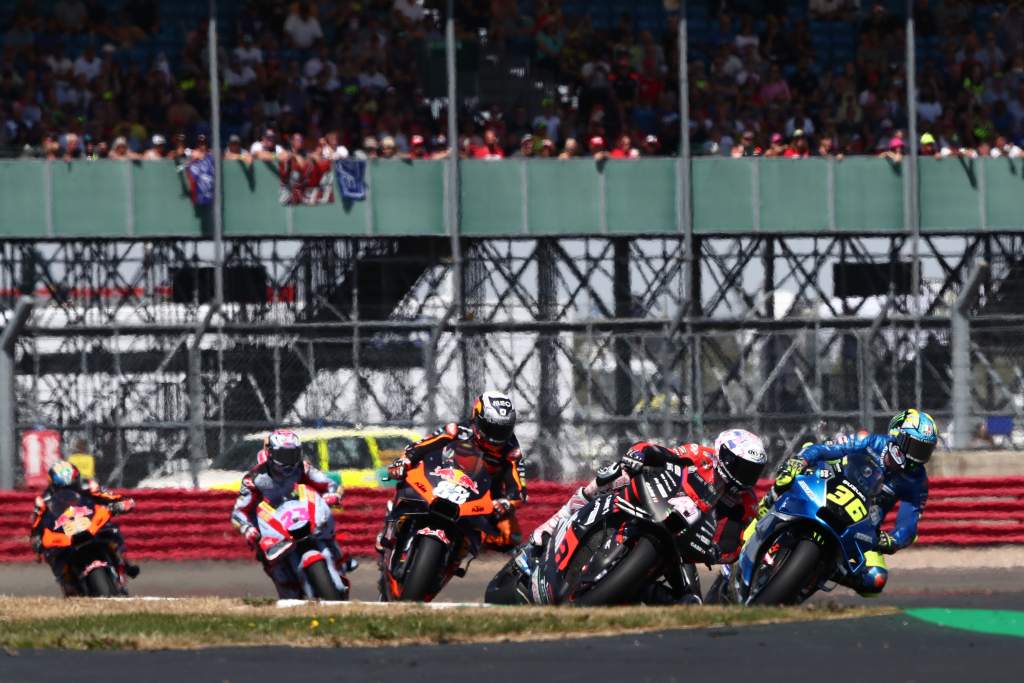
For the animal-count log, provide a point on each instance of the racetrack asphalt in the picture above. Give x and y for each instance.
(892, 648)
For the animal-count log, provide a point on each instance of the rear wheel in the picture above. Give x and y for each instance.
(624, 581)
(425, 570)
(785, 585)
(321, 582)
(101, 584)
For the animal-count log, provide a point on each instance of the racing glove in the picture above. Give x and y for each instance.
(502, 507)
(886, 543)
(788, 472)
(332, 499)
(633, 461)
(398, 469)
(252, 535)
(122, 506)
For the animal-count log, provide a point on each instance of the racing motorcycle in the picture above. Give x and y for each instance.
(294, 534)
(83, 535)
(816, 533)
(442, 511)
(636, 544)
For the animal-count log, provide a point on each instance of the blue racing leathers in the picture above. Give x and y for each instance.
(909, 487)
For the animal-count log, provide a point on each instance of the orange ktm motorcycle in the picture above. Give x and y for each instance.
(440, 514)
(81, 534)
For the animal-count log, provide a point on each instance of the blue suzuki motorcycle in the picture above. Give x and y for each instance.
(817, 532)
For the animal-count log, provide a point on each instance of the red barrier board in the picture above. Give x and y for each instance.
(961, 511)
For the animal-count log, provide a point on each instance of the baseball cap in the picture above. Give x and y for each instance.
(927, 139)
(369, 142)
(597, 141)
(234, 138)
(776, 137)
(387, 141)
(417, 140)
(651, 140)
(895, 143)
(158, 140)
(798, 133)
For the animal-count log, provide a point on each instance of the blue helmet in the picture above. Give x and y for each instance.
(914, 434)
(63, 473)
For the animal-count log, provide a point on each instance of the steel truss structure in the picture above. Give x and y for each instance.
(601, 340)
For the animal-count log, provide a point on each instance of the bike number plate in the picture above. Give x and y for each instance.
(451, 492)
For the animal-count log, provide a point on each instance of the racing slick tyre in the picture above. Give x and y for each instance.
(784, 587)
(427, 566)
(320, 581)
(626, 579)
(502, 590)
(100, 584)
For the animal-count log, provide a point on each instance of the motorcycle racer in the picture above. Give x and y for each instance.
(490, 435)
(280, 469)
(902, 454)
(736, 461)
(64, 475)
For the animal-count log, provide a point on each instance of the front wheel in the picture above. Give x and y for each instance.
(321, 582)
(425, 570)
(785, 585)
(625, 580)
(100, 584)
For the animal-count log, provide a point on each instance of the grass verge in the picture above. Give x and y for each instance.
(200, 623)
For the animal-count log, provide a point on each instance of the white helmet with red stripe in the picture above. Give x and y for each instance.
(741, 457)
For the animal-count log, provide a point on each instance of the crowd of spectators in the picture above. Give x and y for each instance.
(88, 79)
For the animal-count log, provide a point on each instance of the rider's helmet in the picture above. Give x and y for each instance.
(63, 473)
(741, 457)
(494, 419)
(284, 452)
(914, 435)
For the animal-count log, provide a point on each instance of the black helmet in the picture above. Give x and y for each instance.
(284, 451)
(494, 418)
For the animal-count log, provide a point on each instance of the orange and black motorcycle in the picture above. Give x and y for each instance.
(440, 514)
(80, 534)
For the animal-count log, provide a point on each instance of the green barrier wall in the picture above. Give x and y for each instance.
(517, 198)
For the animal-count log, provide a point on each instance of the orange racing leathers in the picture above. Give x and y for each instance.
(504, 464)
(91, 493)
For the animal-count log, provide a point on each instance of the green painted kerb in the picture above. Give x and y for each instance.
(996, 622)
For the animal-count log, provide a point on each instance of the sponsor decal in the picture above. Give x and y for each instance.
(455, 476)
(74, 520)
(439, 534)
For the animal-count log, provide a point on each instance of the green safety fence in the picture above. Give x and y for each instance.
(864, 195)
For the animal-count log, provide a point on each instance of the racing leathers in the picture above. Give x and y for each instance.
(721, 525)
(91, 493)
(505, 465)
(258, 485)
(908, 487)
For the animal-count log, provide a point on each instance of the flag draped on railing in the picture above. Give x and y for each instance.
(351, 175)
(200, 175)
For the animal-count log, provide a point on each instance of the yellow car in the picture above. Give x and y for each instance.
(357, 457)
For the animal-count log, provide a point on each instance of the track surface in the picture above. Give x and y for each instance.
(881, 648)
(984, 587)
(897, 648)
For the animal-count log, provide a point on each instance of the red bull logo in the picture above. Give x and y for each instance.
(74, 519)
(457, 477)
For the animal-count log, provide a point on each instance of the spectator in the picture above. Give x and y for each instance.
(547, 149)
(1002, 147)
(418, 148)
(156, 149)
(895, 152)
(119, 150)
(266, 149)
(490, 149)
(370, 147)
(775, 88)
(651, 146)
(927, 146)
(548, 119)
(777, 148)
(747, 146)
(235, 151)
(527, 146)
(624, 149)
(248, 53)
(571, 150)
(597, 149)
(828, 149)
(238, 74)
(301, 27)
(88, 65)
(799, 121)
(798, 148)
(388, 148)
